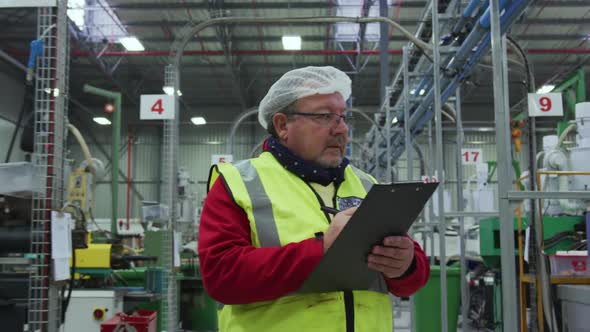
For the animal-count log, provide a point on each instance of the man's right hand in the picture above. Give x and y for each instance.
(336, 227)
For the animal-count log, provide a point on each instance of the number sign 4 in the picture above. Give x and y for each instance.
(156, 107)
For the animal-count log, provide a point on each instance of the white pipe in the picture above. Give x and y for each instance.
(84, 147)
(566, 132)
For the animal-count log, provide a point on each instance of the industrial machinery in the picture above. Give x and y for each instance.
(563, 221)
(14, 262)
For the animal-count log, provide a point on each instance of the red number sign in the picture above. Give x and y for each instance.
(545, 103)
(157, 107)
(471, 156)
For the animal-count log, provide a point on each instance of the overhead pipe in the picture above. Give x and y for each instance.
(418, 119)
(116, 142)
(238, 52)
(234, 128)
(82, 54)
(420, 115)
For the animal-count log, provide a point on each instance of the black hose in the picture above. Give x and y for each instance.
(21, 115)
(66, 301)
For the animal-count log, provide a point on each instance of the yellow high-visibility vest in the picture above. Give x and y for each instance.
(282, 209)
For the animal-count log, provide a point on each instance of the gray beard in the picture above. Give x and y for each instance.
(329, 164)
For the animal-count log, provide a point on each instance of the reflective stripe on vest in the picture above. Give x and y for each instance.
(266, 227)
(365, 179)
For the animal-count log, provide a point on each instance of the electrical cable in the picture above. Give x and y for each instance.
(26, 97)
(66, 300)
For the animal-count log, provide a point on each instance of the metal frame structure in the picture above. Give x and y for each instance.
(502, 116)
(169, 310)
(52, 72)
(418, 110)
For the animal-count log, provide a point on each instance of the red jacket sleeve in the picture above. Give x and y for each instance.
(235, 272)
(413, 280)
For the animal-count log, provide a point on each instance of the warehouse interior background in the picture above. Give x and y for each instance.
(128, 47)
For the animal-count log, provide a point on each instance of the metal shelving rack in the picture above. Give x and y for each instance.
(51, 88)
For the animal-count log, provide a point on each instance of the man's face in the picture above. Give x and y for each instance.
(313, 136)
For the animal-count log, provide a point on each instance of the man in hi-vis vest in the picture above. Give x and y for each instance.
(263, 230)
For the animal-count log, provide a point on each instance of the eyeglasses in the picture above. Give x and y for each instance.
(324, 119)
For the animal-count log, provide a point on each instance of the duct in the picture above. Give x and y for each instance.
(243, 116)
(421, 115)
(189, 33)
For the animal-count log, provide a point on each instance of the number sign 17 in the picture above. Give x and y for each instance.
(471, 156)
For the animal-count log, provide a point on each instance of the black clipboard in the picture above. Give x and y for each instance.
(344, 266)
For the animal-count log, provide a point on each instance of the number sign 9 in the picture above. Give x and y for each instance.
(545, 104)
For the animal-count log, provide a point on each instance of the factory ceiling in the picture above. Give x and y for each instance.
(228, 69)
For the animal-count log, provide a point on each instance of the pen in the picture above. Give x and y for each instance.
(330, 210)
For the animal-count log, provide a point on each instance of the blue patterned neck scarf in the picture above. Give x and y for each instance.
(306, 170)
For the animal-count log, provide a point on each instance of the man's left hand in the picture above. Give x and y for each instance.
(392, 258)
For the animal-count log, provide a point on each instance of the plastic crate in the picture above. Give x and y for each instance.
(141, 320)
(570, 263)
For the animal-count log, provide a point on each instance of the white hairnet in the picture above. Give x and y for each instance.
(299, 83)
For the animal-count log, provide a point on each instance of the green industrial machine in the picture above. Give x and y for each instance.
(197, 311)
(489, 241)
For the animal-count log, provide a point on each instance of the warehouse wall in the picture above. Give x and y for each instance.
(11, 93)
(11, 99)
(197, 144)
(483, 140)
(6, 131)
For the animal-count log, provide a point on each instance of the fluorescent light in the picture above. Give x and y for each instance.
(292, 43)
(76, 12)
(131, 44)
(198, 120)
(546, 88)
(394, 121)
(214, 142)
(102, 121)
(413, 91)
(56, 92)
(179, 93)
(422, 92)
(169, 90)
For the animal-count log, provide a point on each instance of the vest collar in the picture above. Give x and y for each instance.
(306, 170)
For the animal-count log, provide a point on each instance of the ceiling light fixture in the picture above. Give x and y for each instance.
(394, 121)
(546, 88)
(198, 120)
(422, 92)
(169, 90)
(131, 44)
(102, 121)
(179, 93)
(292, 43)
